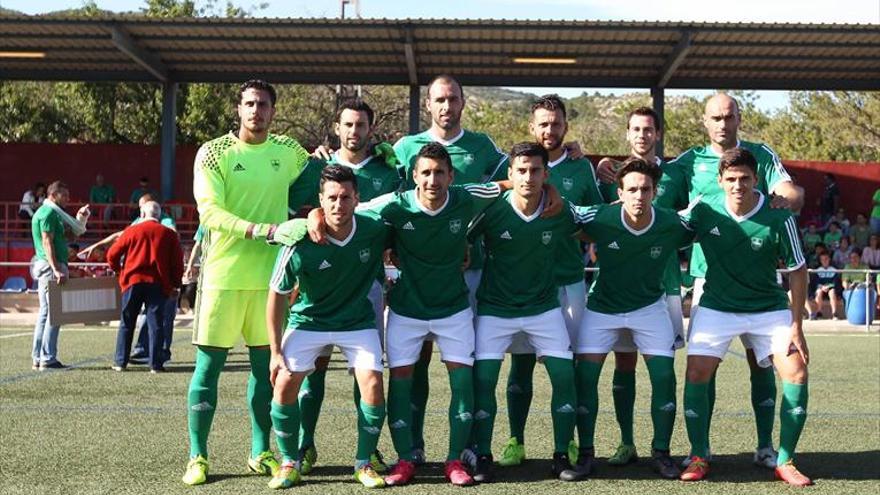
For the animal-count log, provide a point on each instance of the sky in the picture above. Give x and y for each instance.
(792, 11)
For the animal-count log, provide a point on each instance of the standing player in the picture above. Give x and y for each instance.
(331, 309)
(518, 294)
(635, 242)
(743, 238)
(576, 182)
(643, 130)
(375, 177)
(240, 186)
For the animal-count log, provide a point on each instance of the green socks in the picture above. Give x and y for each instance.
(311, 396)
(259, 396)
(763, 404)
(563, 400)
(419, 400)
(623, 390)
(587, 377)
(696, 416)
(486, 373)
(369, 428)
(201, 401)
(792, 416)
(400, 416)
(519, 393)
(461, 407)
(662, 373)
(285, 422)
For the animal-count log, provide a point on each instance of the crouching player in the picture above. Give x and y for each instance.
(743, 238)
(634, 243)
(332, 309)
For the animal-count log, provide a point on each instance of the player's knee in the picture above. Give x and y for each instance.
(625, 361)
(699, 373)
(402, 372)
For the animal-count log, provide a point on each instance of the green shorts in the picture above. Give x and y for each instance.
(222, 316)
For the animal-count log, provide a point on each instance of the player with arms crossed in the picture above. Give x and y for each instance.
(743, 239)
(240, 186)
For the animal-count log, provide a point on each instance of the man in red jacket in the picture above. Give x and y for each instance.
(149, 261)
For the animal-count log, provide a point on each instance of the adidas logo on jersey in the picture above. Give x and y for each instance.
(398, 425)
(715, 231)
(282, 434)
(324, 265)
(202, 407)
(613, 245)
(408, 226)
(690, 413)
(238, 168)
(506, 235)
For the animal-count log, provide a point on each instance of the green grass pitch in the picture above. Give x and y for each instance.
(91, 430)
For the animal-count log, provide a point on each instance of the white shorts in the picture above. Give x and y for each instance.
(361, 348)
(545, 332)
(472, 280)
(377, 299)
(697, 294)
(650, 327)
(573, 301)
(768, 333)
(454, 335)
(625, 342)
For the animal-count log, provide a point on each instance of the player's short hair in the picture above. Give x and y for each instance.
(551, 103)
(447, 79)
(436, 152)
(338, 174)
(56, 187)
(638, 165)
(258, 84)
(737, 157)
(645, 112)
(528, 149)
(357, 105)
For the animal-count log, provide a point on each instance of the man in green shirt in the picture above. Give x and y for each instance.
(50, 264)
(331, 309)
(103, 193)
(744, 239)
(875, 213)
(240, 185)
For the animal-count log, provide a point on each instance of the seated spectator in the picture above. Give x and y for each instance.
(841, 254)
(74, 272)
(851, 279)
(31, 200)
(825, 283)
(832, 238)
(860, 231)
(811, 238)
(871, 254)
(818, 250)
(142, 189)
(102, 193)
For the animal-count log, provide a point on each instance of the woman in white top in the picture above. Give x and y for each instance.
(31, 200)
(841, 254)
(871, 253)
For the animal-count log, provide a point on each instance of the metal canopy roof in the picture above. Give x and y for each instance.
(477, 52)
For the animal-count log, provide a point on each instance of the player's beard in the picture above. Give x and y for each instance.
(452, 123)
(358, 145)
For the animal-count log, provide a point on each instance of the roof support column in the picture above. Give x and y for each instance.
(414, 108)
(657, 99)
(169, 138)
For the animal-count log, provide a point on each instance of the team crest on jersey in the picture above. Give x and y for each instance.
(455, 226)
(377, 183)
(364, 255)
(661, 189)
(546, 237)
(757, 243)
(656, 251)
(567, 183)
(468, 158)
(276, 164)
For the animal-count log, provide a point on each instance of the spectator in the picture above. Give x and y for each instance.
(825, 282)
(842, 221)
(871, 253)
(875, 213)
(830, 197)
(142, 189)
(74, 272)
(813, 261)
(151, 273)
(831, 239)
(47, 229)
(31, 200)
(860, 232)
(811, 238)
(103, 194)
(841, 254)
(851, 279)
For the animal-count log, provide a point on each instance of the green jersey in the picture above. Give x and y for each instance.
(237, 184)
(699, 165)
(164, 219)
(875, 210)
(633, 262)
(576, 182)
(431, 248)
(374, 178)
(743, 253)
(102, 194)
(46, 219)
(334, 279)
(519, 278)
(810, 240)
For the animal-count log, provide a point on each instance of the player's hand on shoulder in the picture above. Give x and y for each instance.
(574, 150)
(290, 232)
(779, 202)
(553, 201)
(322, 152)
(316, 227)
(606, 170)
